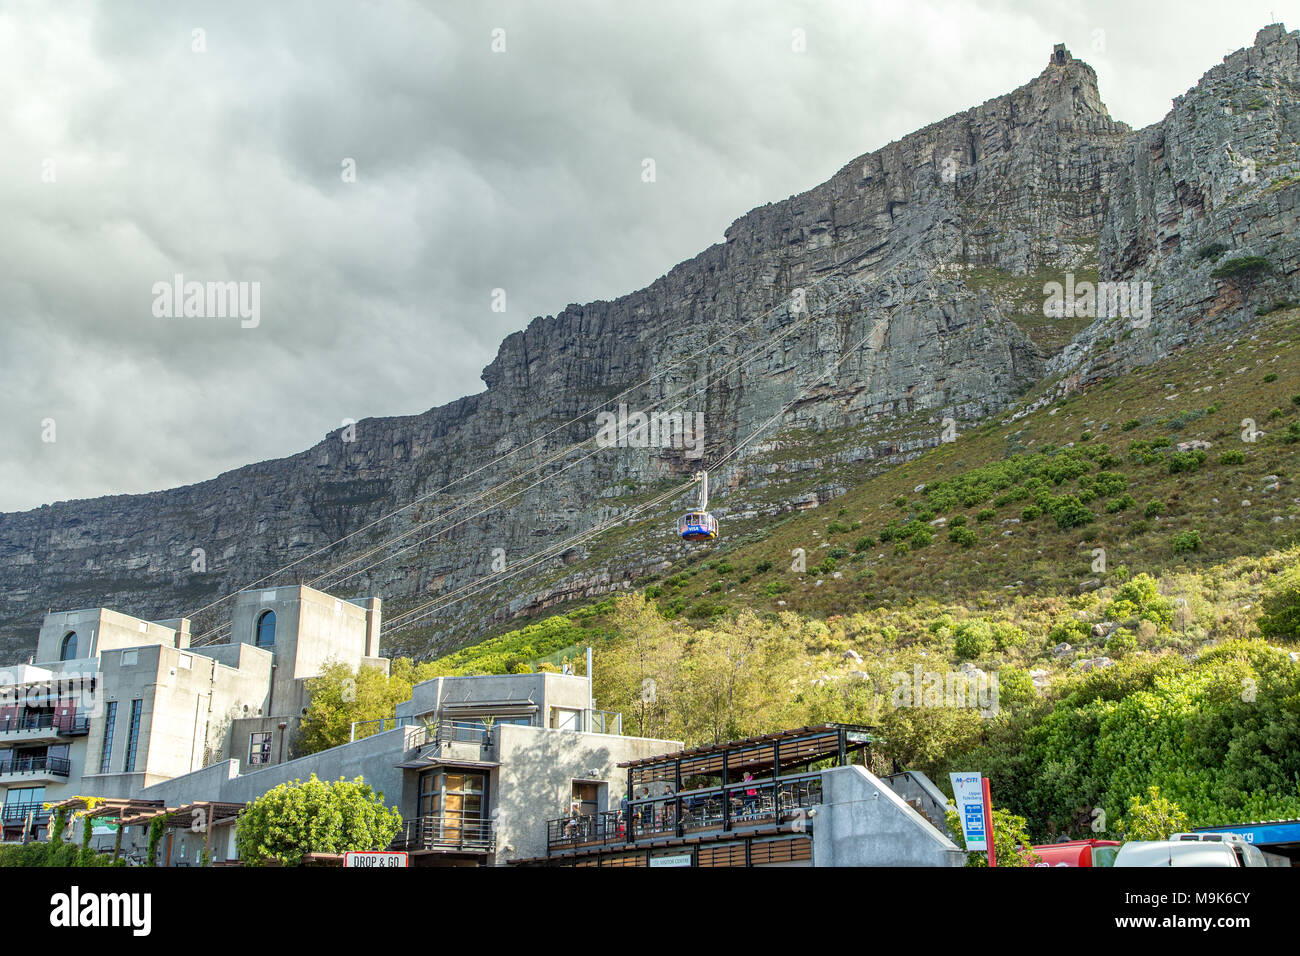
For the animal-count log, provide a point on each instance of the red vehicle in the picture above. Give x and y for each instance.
(1078, 853)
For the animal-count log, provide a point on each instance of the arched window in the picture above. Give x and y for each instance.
(68, 649)
(266, 629)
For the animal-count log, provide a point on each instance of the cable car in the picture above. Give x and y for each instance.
(699, 525)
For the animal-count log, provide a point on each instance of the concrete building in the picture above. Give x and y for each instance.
(111, 704)
(477, 765)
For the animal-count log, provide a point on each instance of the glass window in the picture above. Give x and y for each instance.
(106, 747)
(68, 650)
(132, 736)
(266, 629)
(259, 748)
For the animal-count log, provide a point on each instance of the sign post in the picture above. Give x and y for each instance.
(968, 795)
(988, 816)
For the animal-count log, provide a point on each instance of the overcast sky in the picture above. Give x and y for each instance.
(133, 148)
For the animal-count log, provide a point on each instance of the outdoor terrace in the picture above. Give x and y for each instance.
(760, 782)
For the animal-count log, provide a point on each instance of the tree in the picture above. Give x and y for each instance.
(638, 674)
(1155, 819)
(1011, 842)
(340, 696)
(292, 820)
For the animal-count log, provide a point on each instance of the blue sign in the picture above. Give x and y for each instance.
(1262, 834)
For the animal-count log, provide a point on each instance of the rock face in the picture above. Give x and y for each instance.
(1214, 182)
(851, 311)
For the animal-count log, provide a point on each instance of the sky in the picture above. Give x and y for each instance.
(397, 186)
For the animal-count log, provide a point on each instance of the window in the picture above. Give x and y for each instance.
(129, 658)
(563, 718)
(259, 748)
(110, 724)
(266, 629)
(185, 662)
(68, 649)
(459, 799)
(132, 736)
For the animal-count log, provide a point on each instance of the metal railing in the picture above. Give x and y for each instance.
(445, 832)
(67, 724)
(56, 766)
(735, 806)
(17, 812)
(469, 732)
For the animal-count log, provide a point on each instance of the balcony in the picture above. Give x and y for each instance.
(446, 833)
(15, 814)
(24, 770)
(42, 728)
(733, 808)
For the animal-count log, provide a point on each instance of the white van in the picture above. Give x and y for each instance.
(1176, 853)
(1247, 853)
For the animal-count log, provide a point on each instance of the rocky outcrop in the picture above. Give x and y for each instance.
(1217, 181)
(847, 310)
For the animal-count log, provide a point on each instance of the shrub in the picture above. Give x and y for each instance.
(1232, 458)
(864, 543)
(1069, 512)
(763, 567)
(1122, 503)
(1271, 377)
(1131, 424)
(957, 521)
(1109, 483)
(1139, 597)
(972, 639)
(1030, 513)
(1154, 507)
(963, 536)
(1186, 461)
(1280, 605)
(986, 514)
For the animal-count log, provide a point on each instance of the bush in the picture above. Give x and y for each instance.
(291, 820)
(1069, 512)
(957, 521)
(1140, 598)
(1187, 541)
(1123, 503)
(1030, 513)
(1186, 461)
(1232, 458)
(1131, 424)
(1271, 377)
(1153, 508)
(986, 514)
(1280, 605)
(1109, 483)
(963, 536)
(972, 639)
(864, 543)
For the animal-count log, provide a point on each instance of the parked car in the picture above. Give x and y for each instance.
(1176, 853)
(1078, 853)
(1247, 853)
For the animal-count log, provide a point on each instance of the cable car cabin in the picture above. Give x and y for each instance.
(698, 526)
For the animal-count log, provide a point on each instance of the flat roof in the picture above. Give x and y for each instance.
(807, 743)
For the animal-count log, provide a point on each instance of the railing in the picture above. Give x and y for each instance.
(56, 766)
(470, 732)
(63, 724)
(606, 722)
(17, 812)
(445, 832)
(368, 728)
(735, 806)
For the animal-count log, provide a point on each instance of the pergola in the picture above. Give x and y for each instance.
(199, 816)
(765, 754)
(108, 808)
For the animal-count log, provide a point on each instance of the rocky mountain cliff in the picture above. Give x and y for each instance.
(859, 315)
